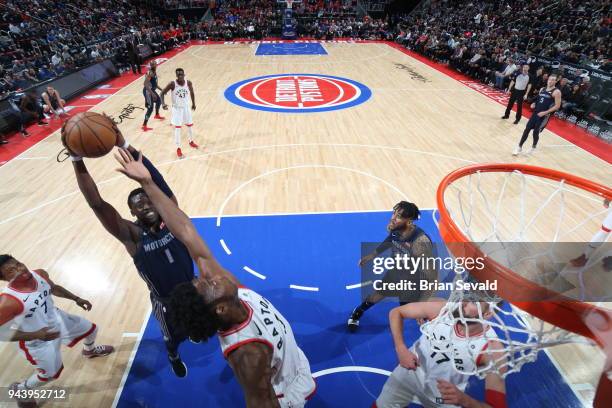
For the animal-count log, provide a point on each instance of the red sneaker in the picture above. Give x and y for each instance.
(179, 153)
(98, 351)
(158, 117)
(146, 128)
(579, 262)
(193, 144)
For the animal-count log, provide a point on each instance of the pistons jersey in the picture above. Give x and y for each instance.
(461, 355)
(38, 309)
(180, 95)
(290, 367)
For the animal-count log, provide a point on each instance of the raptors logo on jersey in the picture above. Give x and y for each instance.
(180, 95)
(461, 354)
(38, 308)
(292, 379)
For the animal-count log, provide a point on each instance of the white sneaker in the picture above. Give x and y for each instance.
(530, 151)
(517, 150)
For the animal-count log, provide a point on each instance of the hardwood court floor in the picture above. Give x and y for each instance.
(398, 145)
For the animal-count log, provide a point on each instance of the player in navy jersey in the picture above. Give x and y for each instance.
(152, 98)
(404, 238)
(162, 261)
(547, 102)
(256, 340)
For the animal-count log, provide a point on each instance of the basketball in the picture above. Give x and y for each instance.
(89, 134)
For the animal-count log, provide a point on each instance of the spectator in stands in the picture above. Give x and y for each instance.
(572, 100)
(56, 60)
(44, 73)
(501, 77)
(95, 54)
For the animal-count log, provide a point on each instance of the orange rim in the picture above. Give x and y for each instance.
(547, 305)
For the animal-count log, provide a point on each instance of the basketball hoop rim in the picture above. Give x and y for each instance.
(562, 312)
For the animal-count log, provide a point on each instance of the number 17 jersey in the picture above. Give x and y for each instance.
(461, 354)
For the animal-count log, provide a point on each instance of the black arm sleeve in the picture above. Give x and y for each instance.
(158, 179)
(386, 244)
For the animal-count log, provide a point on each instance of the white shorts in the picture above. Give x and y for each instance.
(46, 356)
(181, 116)
(299, 391)
(606, 226)
(402, 387)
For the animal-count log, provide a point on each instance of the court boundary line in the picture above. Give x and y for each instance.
(130, 361)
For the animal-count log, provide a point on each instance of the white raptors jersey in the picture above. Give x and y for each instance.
(462, 353)
(180, 95)
(290, 367)
(38, 308)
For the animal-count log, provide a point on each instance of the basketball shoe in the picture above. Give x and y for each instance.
(98, 351)
(178, 367)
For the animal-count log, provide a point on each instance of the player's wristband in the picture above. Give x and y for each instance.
(76, 158)
(126, 145)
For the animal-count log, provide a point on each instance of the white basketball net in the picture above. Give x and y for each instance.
(496, 208)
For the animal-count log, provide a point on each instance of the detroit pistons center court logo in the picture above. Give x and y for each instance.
(298, 93)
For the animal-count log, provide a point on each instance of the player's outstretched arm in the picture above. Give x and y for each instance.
(62, 292)
(112, 221)
(253, 369)
(176, 220)
(155, 174)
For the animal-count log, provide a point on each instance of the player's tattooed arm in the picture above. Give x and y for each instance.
(167, 89)
(190, 86)
(253, 369)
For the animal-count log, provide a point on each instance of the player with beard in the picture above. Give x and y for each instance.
(162, 261)
(255, 338)
(405, 238)
(432, 373)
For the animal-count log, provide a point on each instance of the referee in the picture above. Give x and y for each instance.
(519, 88)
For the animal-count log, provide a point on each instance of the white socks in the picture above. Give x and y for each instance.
(177, 136)
(190, 133)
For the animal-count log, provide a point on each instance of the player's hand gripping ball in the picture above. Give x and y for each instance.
(89, 134)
